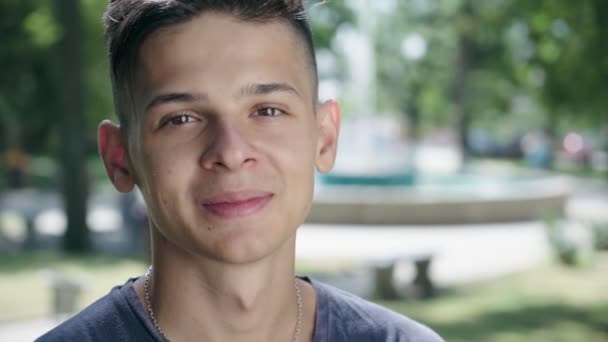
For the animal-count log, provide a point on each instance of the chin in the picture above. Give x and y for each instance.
(248, 247)
(240, 254)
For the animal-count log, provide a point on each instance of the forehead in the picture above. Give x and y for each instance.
(216, 52)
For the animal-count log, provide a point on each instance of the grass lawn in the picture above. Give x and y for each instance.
(548, 303)
(25, 290)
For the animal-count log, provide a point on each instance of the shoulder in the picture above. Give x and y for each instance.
(350, 318)
(111, 318)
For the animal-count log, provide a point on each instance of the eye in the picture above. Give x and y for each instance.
(269, 111)
(179, 119)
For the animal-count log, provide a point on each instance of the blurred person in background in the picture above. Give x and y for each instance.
(16, 162)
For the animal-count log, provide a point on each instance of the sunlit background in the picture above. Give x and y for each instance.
(470, 191)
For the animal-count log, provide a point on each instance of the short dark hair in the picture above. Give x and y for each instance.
(128, 23)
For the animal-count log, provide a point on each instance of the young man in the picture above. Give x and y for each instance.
(221, 131)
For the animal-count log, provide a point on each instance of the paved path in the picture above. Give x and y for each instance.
(503, 248)
(27, 330)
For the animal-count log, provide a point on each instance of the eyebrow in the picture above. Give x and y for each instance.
(253, 89)
(257, 89)
(175, 97)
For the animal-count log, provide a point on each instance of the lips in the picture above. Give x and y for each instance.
(232, 205)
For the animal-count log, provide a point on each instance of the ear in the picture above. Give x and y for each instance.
(328, 121)
(113, 151)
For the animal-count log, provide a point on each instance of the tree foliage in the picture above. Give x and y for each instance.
(550, 55)
(30, 32)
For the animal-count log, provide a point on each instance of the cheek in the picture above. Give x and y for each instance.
(163, 157)
(166, 197)
(291, 148)
(299, 189)
(293, 156)
(165, 175)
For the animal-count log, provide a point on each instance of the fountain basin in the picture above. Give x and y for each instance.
(472, 199)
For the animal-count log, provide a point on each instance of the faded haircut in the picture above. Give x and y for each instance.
(128, 23)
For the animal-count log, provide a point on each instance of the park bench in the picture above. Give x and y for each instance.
(419, 286)
(66, 292)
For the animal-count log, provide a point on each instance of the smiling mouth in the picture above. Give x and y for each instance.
(236, 204)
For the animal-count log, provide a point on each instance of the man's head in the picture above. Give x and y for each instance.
(129, 22)
(226, 131)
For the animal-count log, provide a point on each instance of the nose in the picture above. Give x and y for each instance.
(229, 150)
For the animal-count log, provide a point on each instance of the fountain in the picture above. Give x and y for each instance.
(380, 179)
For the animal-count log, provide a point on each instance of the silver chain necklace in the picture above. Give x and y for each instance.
(296, 334)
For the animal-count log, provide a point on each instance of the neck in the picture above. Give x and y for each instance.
(201, 299)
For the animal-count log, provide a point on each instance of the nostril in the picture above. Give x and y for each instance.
(228, 158)
(229, 148)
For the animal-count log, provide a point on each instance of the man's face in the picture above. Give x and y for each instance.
(227, 137)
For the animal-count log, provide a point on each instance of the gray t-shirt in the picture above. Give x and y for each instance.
(341, 317)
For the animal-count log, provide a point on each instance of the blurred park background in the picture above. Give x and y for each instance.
(470, 192)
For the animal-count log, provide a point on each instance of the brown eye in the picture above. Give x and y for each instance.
(180, 119)
(269, 111)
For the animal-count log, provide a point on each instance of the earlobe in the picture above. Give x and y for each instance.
(328, 120)
(113, 152)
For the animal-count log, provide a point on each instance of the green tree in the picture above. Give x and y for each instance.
(571, 52)
(484, 56)
(325, 19)
(54, 90)
(27, 32)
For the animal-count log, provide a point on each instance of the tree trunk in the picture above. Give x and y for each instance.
(550, 130)
(464, 61)
(412, 110)
(71, 106)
